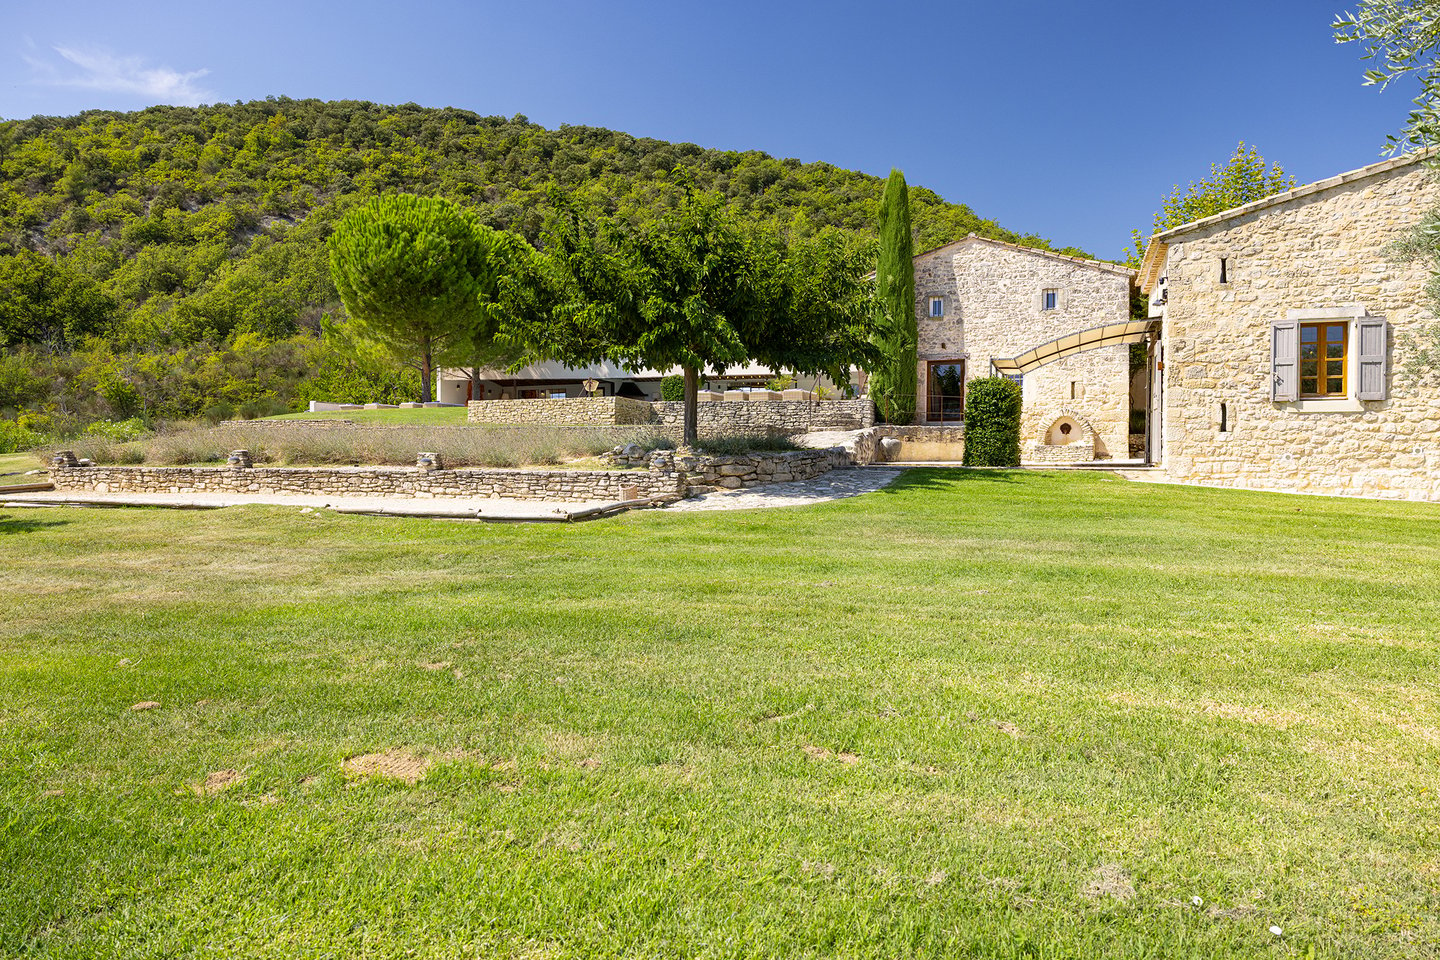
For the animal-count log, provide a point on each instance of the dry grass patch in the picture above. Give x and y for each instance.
(218, 781)
(1110, 881)
(399, 765)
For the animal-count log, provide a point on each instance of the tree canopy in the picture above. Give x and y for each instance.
(1402, 39)
(1243, 178)
(700, 290)
(421, 276)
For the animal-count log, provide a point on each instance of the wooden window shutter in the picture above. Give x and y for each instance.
(1285, 360)
(1371, 356)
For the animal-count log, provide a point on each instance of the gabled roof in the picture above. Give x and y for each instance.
(1159, 243)
(1050, 254)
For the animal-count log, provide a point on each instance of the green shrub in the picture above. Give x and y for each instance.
(672, 387)
(992, 423)
(15, 438)
(120, 431)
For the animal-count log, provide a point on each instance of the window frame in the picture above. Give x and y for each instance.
(934, 403)
(1046, 296)
(1323, 329)
(937, 302)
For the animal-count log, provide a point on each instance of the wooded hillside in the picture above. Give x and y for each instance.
(202, 222)
(171, 261)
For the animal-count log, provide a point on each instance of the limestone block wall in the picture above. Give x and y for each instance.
(993, 308)
(585, 411)
(1323, 250)
(752, 469)
(559, 485)
(921, 443)
(758, 416)
(714, 417)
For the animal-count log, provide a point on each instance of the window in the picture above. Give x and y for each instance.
(945, 391)
(937, 306)
(1224, 269)
(1322, 359)
(1050, 300)
(1329, 355)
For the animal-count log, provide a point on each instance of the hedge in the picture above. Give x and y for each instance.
(992, 423)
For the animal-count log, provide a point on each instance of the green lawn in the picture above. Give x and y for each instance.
(1008, 715)
(13, 467)
(431, 417)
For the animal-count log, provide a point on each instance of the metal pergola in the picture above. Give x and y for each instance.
(1108, 335)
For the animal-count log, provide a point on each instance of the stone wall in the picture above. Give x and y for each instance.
(759, 416)
(993, 308)
(571, 411)
(753, 469)
(920, 443)
(319, 423)
(668, 476)
(1327, 249)
(716, 417)
(559, 485)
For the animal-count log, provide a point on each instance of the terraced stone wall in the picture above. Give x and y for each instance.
(560, 485)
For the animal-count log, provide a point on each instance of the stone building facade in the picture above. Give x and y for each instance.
(1290, 335)
(978, 300)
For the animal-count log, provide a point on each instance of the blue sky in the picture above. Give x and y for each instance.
(1067, 119)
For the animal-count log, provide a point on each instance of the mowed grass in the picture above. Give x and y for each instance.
(13, 467)
(424, 417)
(976, 714)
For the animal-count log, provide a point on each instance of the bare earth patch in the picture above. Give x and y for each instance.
(146, 705)
(821, 753)
(392, 764)
(444, 665)
(1109, 881)
(218, 781)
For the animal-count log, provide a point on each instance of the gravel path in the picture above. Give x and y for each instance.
(835, 485)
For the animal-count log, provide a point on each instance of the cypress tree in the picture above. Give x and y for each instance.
(893, 384)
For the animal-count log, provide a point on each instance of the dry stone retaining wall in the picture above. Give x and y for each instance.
(668, 476)
(753, 469)
(570, 411)
(716, 417)
(759, 416)
(559, 485)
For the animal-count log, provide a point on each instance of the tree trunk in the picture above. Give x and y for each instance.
(425, 363)
(692, 419)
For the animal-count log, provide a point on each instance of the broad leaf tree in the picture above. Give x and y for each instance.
(697, 290)
(420, 276)
(1243, 178)
(46, 303)
(893, 383)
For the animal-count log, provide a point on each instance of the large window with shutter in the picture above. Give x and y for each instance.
(1329, 354)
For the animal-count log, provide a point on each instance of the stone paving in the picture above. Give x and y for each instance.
(835, 485)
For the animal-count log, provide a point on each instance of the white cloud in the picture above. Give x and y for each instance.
(102, 70)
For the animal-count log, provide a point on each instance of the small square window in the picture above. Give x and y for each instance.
(1050, 300)
(937, 306)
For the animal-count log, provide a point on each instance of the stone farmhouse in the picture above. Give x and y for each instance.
(1290, 337)
(1284, 349)
(1058, 324)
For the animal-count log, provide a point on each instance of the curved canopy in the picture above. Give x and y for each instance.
(1109, 335)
